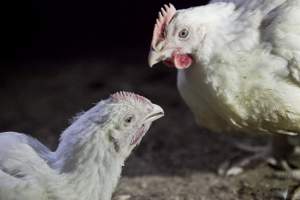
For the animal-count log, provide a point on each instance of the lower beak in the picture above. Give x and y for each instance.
(154, 58)
(157, 112)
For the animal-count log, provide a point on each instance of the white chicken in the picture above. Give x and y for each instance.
(88, 161)
(238, 67)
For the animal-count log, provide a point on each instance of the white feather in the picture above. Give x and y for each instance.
(246, 74)
(88, 161)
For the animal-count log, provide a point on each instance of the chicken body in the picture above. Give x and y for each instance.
(238, 64)
(88, 161)
(243, 92)
(248, 84)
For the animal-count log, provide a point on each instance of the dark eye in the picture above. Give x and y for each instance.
(183, 34)
(129, 119)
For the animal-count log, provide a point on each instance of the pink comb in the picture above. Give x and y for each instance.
(164, 17)
(128, 96)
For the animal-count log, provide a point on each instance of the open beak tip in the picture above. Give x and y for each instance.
(150, 65)
(151, 62)
(157, 113)
(160, 112)
(153, 58)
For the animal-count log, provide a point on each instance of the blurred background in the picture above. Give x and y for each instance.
(59, 57)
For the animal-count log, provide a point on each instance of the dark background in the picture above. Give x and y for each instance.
(64, 29)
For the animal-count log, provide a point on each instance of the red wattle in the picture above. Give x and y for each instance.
(182, 61)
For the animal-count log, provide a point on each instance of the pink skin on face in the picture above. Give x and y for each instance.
(180, 61)
(139, 134)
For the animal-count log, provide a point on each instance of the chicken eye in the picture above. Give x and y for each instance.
(184, 33)
(128, 119)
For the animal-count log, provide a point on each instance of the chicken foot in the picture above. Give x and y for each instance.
(275, 154)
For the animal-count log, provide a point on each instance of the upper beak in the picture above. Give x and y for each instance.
(157, 112)
(154, 58)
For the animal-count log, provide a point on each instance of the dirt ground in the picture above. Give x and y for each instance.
(176, 160)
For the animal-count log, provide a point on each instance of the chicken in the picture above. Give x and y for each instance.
(238, 67)
(88, 161)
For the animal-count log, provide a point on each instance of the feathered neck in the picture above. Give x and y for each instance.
(228, 29)
(84, 158)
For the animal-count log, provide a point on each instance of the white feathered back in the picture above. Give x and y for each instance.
(279, 26)
(265, 6)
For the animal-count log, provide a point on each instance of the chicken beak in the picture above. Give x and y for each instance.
(154, 58)
(157, 112)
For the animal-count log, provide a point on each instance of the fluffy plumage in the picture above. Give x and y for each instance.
(88, 161)
(238, 64)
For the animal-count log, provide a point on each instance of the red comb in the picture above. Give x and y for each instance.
(164, 17)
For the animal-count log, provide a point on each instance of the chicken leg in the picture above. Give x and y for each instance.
(275, 153)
